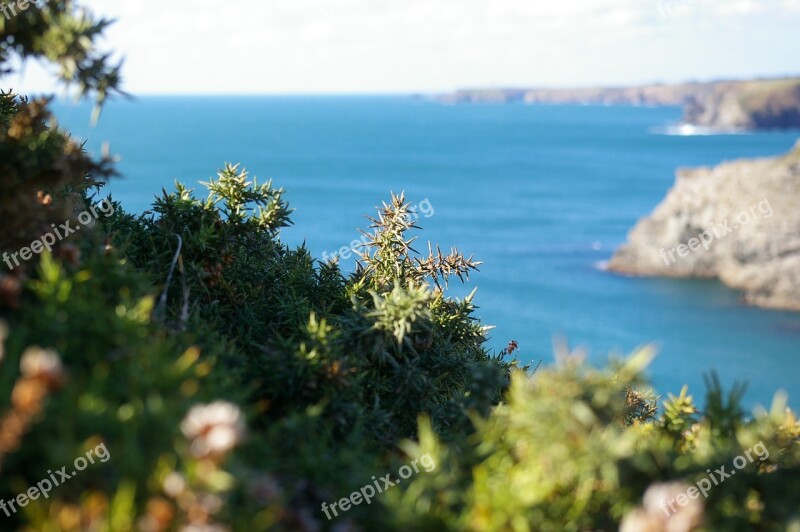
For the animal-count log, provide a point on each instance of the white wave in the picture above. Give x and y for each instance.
(601, 265)
(689, 130)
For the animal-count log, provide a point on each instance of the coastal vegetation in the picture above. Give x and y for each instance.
(235, 383)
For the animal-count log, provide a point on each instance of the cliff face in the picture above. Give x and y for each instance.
(726, 105)
(747, 105)
(738, 222)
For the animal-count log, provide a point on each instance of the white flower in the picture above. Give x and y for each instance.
(661, 511)
(685, 517)
(174, 484)
(45, 364)
(213, 429)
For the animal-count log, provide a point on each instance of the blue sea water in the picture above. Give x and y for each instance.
(541, 194)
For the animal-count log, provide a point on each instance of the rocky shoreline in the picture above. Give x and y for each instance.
(722, 105)
(738, 222)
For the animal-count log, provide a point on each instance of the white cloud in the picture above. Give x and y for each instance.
(203, 46)
(792, 5)
(740, 7)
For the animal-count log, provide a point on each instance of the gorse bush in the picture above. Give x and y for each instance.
(558, 456)
(377, 353)
(44, 174)
(303, 348)
(234, 382)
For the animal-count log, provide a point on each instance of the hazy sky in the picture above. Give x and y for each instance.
(334, 46)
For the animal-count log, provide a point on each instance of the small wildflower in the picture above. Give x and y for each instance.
(42, 365)
(160, 514)
(174, 484)
(660, 511)
(213, 429)
(27, 396)
(43, 198)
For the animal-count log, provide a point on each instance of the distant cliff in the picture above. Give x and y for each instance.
(726, 105)
(773, 104)
(737, 222)
(644, 95)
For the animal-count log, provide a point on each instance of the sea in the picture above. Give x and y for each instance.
(541, 195)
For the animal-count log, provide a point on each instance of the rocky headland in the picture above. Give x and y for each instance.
(722, 105)
(738, 222)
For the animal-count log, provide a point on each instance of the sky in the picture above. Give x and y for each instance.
(402, 46)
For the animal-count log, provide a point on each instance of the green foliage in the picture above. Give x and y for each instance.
(388, 254)
(236, 382)
(356, 362)
(64, 34)
(556, 457)
(376, 354)
(44, 173)
(7, 107)
(128, 387)
(238, 195)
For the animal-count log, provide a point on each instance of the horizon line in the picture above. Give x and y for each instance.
(435, 92)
